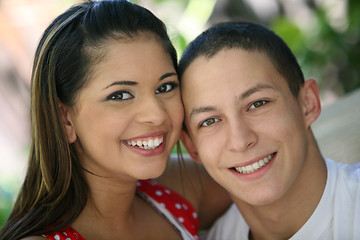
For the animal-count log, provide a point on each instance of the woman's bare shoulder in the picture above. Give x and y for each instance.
(34, 238)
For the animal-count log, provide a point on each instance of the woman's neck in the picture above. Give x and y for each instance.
(111, 204)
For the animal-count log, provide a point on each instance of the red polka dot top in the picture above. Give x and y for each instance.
(173, 207)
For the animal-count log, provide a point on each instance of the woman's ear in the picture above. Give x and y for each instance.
(310, 101)
(188, 144)
(66, 120)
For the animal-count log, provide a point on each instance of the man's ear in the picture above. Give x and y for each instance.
(188, 144)
(310, 101)
(67, 122)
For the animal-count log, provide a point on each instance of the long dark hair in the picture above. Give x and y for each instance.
(54, 191)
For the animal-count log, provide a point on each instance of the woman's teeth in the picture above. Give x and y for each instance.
(255, 166)
(149, 144)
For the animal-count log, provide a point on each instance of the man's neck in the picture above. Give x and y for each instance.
(284, 217)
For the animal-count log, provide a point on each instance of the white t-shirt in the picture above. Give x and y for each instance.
(336, 217)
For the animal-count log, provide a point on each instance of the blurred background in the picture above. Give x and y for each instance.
(323, 34)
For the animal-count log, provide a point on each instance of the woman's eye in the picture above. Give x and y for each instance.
(208, 122)
(258, 104)
(166, 87)
(120, 95)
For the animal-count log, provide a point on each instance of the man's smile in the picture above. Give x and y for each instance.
(254, 166)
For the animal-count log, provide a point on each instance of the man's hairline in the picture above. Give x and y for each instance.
(208, 56)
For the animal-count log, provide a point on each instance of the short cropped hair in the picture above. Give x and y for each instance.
(249, 37)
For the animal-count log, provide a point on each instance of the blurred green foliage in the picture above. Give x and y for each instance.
(5, 205)
(330, 55)
(8, 190)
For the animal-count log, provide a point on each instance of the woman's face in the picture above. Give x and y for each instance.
(128, 117)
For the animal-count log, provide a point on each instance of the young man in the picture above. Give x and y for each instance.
(248, 116)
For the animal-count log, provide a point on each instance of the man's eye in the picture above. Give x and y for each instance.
(120, 95)
(208, 122)
(258, 104)
(166, 87)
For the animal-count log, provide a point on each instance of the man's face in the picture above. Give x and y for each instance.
(248, 129)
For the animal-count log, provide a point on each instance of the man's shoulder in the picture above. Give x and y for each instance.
(346, 172)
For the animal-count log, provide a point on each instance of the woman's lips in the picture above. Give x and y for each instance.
(149, 145)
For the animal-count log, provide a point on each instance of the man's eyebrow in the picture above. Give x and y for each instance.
(198, 110)
(242, 96)
(129, 83)
(255, 89)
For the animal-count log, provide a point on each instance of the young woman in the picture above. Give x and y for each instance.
(106, 113)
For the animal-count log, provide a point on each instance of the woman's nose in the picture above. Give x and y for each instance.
(152, 111)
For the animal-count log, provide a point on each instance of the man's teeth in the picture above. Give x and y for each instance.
(149, 144)
(255, 166)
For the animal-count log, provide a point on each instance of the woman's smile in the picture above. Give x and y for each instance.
(148, 146)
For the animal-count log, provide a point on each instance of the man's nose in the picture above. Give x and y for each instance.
(241, 135)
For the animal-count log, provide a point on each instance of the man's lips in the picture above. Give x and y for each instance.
(250, 168)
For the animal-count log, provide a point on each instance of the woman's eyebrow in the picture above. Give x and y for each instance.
(129, 83)
(167, 75)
